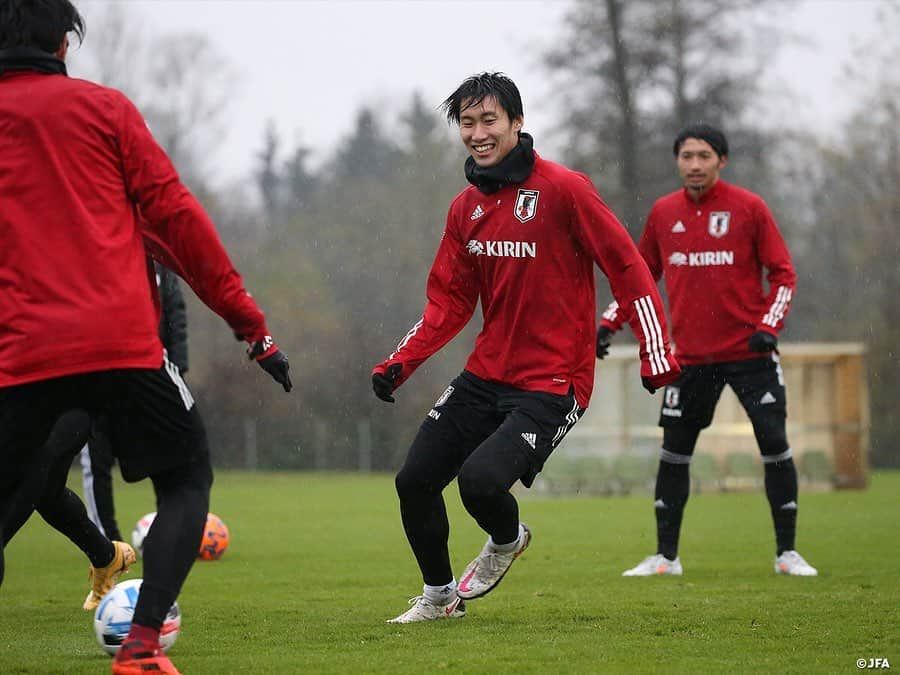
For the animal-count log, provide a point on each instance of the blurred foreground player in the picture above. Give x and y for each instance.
(711, 241)
(523, 239)
(78, 326)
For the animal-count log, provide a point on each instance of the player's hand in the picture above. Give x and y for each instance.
(272, 360)
(762, 342)
(604, 338)
(653, 382)
(384, 382)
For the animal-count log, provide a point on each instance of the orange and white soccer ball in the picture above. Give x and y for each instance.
(215, 538)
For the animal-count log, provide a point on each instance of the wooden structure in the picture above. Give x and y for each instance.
(618, 439)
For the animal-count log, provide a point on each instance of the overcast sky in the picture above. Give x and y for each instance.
(308, 64)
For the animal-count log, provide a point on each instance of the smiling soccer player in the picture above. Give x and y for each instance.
(523, 239)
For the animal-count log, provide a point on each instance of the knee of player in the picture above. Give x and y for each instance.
(475, 484)
(70, 432)
(679, 442)
(770, 433)
(410, 483)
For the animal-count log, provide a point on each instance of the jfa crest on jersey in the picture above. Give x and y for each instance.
(718, 223)
(526, 205)
(672, 396)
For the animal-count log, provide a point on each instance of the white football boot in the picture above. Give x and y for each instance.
(793, 564)
(488, 569)
(424, 610)
(653, 565)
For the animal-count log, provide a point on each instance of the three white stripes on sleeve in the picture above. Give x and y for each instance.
(656, 346)
(779, 307)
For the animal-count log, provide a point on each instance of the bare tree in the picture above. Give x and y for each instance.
(114, 50)
(637, 71)
(851, 263)
(180, 82)
(190, 85)
(266, 174)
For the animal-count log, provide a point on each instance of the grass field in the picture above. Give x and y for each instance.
(318, 562)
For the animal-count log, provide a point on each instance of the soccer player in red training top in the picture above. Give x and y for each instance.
(523, 239)
(86, 193)
(711, 241)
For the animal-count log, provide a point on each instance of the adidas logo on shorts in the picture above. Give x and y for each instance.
(531, 439)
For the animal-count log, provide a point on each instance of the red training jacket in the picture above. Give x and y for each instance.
(77, 165)
(527, 252)
(712, 255)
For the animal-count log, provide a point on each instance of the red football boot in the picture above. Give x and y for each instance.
(137, 657)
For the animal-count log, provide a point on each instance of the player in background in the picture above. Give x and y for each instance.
(523, 239)
(97, 457)
(87, 193)
(711, 242)
(63, 510)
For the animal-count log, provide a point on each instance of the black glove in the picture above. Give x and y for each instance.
(604, 338)
(383, 385)
(762, 342)
(275, 364)
(648, 385)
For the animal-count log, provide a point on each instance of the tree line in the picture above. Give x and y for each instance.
(338, 253)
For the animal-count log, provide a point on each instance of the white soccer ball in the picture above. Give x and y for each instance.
(140, 532)
(112, 618)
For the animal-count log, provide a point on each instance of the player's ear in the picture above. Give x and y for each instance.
(63, 49)
(723, 161)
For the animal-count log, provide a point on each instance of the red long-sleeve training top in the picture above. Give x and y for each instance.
(527, 252)
(712, 254)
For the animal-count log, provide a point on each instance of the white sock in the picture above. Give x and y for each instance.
(511, 546)
(440, 595)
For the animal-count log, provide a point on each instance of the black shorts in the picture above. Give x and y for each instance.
(691, 400)
(153, 422)
(472, 409)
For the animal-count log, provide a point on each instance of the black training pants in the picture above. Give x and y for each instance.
(488, 436)
(156, 431)
(97, 461)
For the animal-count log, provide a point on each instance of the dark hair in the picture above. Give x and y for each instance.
(704, 132)
(477, 88)
(38, 23)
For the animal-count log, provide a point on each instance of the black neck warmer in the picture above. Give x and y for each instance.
(514, 168)
(30, 58)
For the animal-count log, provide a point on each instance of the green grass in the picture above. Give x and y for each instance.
(318, 562)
